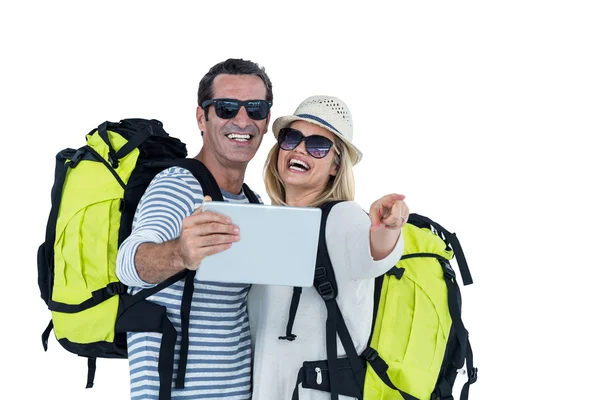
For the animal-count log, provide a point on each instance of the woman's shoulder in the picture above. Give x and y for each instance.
(346, 215)
(348, 209)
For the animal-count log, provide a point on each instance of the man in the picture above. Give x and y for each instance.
(171, 233)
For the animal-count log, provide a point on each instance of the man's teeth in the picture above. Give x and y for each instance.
(239, 137)
(298, 165)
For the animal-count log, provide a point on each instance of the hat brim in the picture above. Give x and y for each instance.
(283, 122)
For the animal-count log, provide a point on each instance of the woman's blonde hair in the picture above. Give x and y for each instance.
(339, 187)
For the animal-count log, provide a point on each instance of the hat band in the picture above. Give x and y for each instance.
(321, 121)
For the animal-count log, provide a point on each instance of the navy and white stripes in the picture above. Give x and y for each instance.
(219, 359)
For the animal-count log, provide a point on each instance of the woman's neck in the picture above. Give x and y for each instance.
(299, 197)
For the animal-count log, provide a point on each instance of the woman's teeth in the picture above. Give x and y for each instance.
(298, 165)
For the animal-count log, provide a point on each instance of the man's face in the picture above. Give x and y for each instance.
(228, 139)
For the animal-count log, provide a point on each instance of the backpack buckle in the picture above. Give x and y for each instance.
(320, 272)
(370, 354)
(76, 158)
(472, 376)
(115, 288)
(397, 272)
(291, 337)
(114, 162)
(325, 289)
(437, 395)
(448, 271)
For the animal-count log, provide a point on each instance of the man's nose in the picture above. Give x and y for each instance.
(242, 120)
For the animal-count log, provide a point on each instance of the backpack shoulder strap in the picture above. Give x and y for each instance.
(321, 263)
(252, 198)
(336, 324)
(211, 188)
(326, 285)
(203, 175)
(207, 180)
(324, 265)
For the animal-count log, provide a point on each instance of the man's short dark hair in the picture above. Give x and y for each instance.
(233, 67)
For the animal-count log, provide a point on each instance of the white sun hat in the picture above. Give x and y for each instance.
(328, 112)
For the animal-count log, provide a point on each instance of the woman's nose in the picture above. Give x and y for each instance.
(301, 148)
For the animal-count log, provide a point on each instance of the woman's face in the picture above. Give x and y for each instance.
(300, 170)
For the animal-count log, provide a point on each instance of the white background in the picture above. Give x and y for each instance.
(482, 113)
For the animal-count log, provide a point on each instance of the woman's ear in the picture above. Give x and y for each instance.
(334, 169)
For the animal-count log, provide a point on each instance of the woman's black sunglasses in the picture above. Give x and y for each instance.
(316, 145)
(228, 108)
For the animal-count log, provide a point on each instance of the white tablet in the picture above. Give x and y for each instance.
(277, 246)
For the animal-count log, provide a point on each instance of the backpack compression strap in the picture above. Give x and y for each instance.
(380, 367)
(464, 352)
(98, 296)
(443, 388)
(144, 132)
(145, 316)
(452, 241)
(472, 371)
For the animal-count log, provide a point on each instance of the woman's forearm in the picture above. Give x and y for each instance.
(383, 241)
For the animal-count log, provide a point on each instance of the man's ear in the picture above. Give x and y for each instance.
(200, 119)
(267, 123)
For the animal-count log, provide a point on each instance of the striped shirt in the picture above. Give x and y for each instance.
(219, 363)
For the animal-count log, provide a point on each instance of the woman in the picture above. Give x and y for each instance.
(312, 164)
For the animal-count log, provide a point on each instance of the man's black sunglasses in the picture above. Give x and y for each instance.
(228, 108)
(316, 145)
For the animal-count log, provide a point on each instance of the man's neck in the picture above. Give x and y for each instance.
(228, 177)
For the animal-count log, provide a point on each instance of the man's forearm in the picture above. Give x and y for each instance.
(156, 262)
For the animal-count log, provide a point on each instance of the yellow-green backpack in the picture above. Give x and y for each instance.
(94, 198)
(418, 340)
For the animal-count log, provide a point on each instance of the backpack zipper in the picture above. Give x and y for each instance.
(319, 372)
